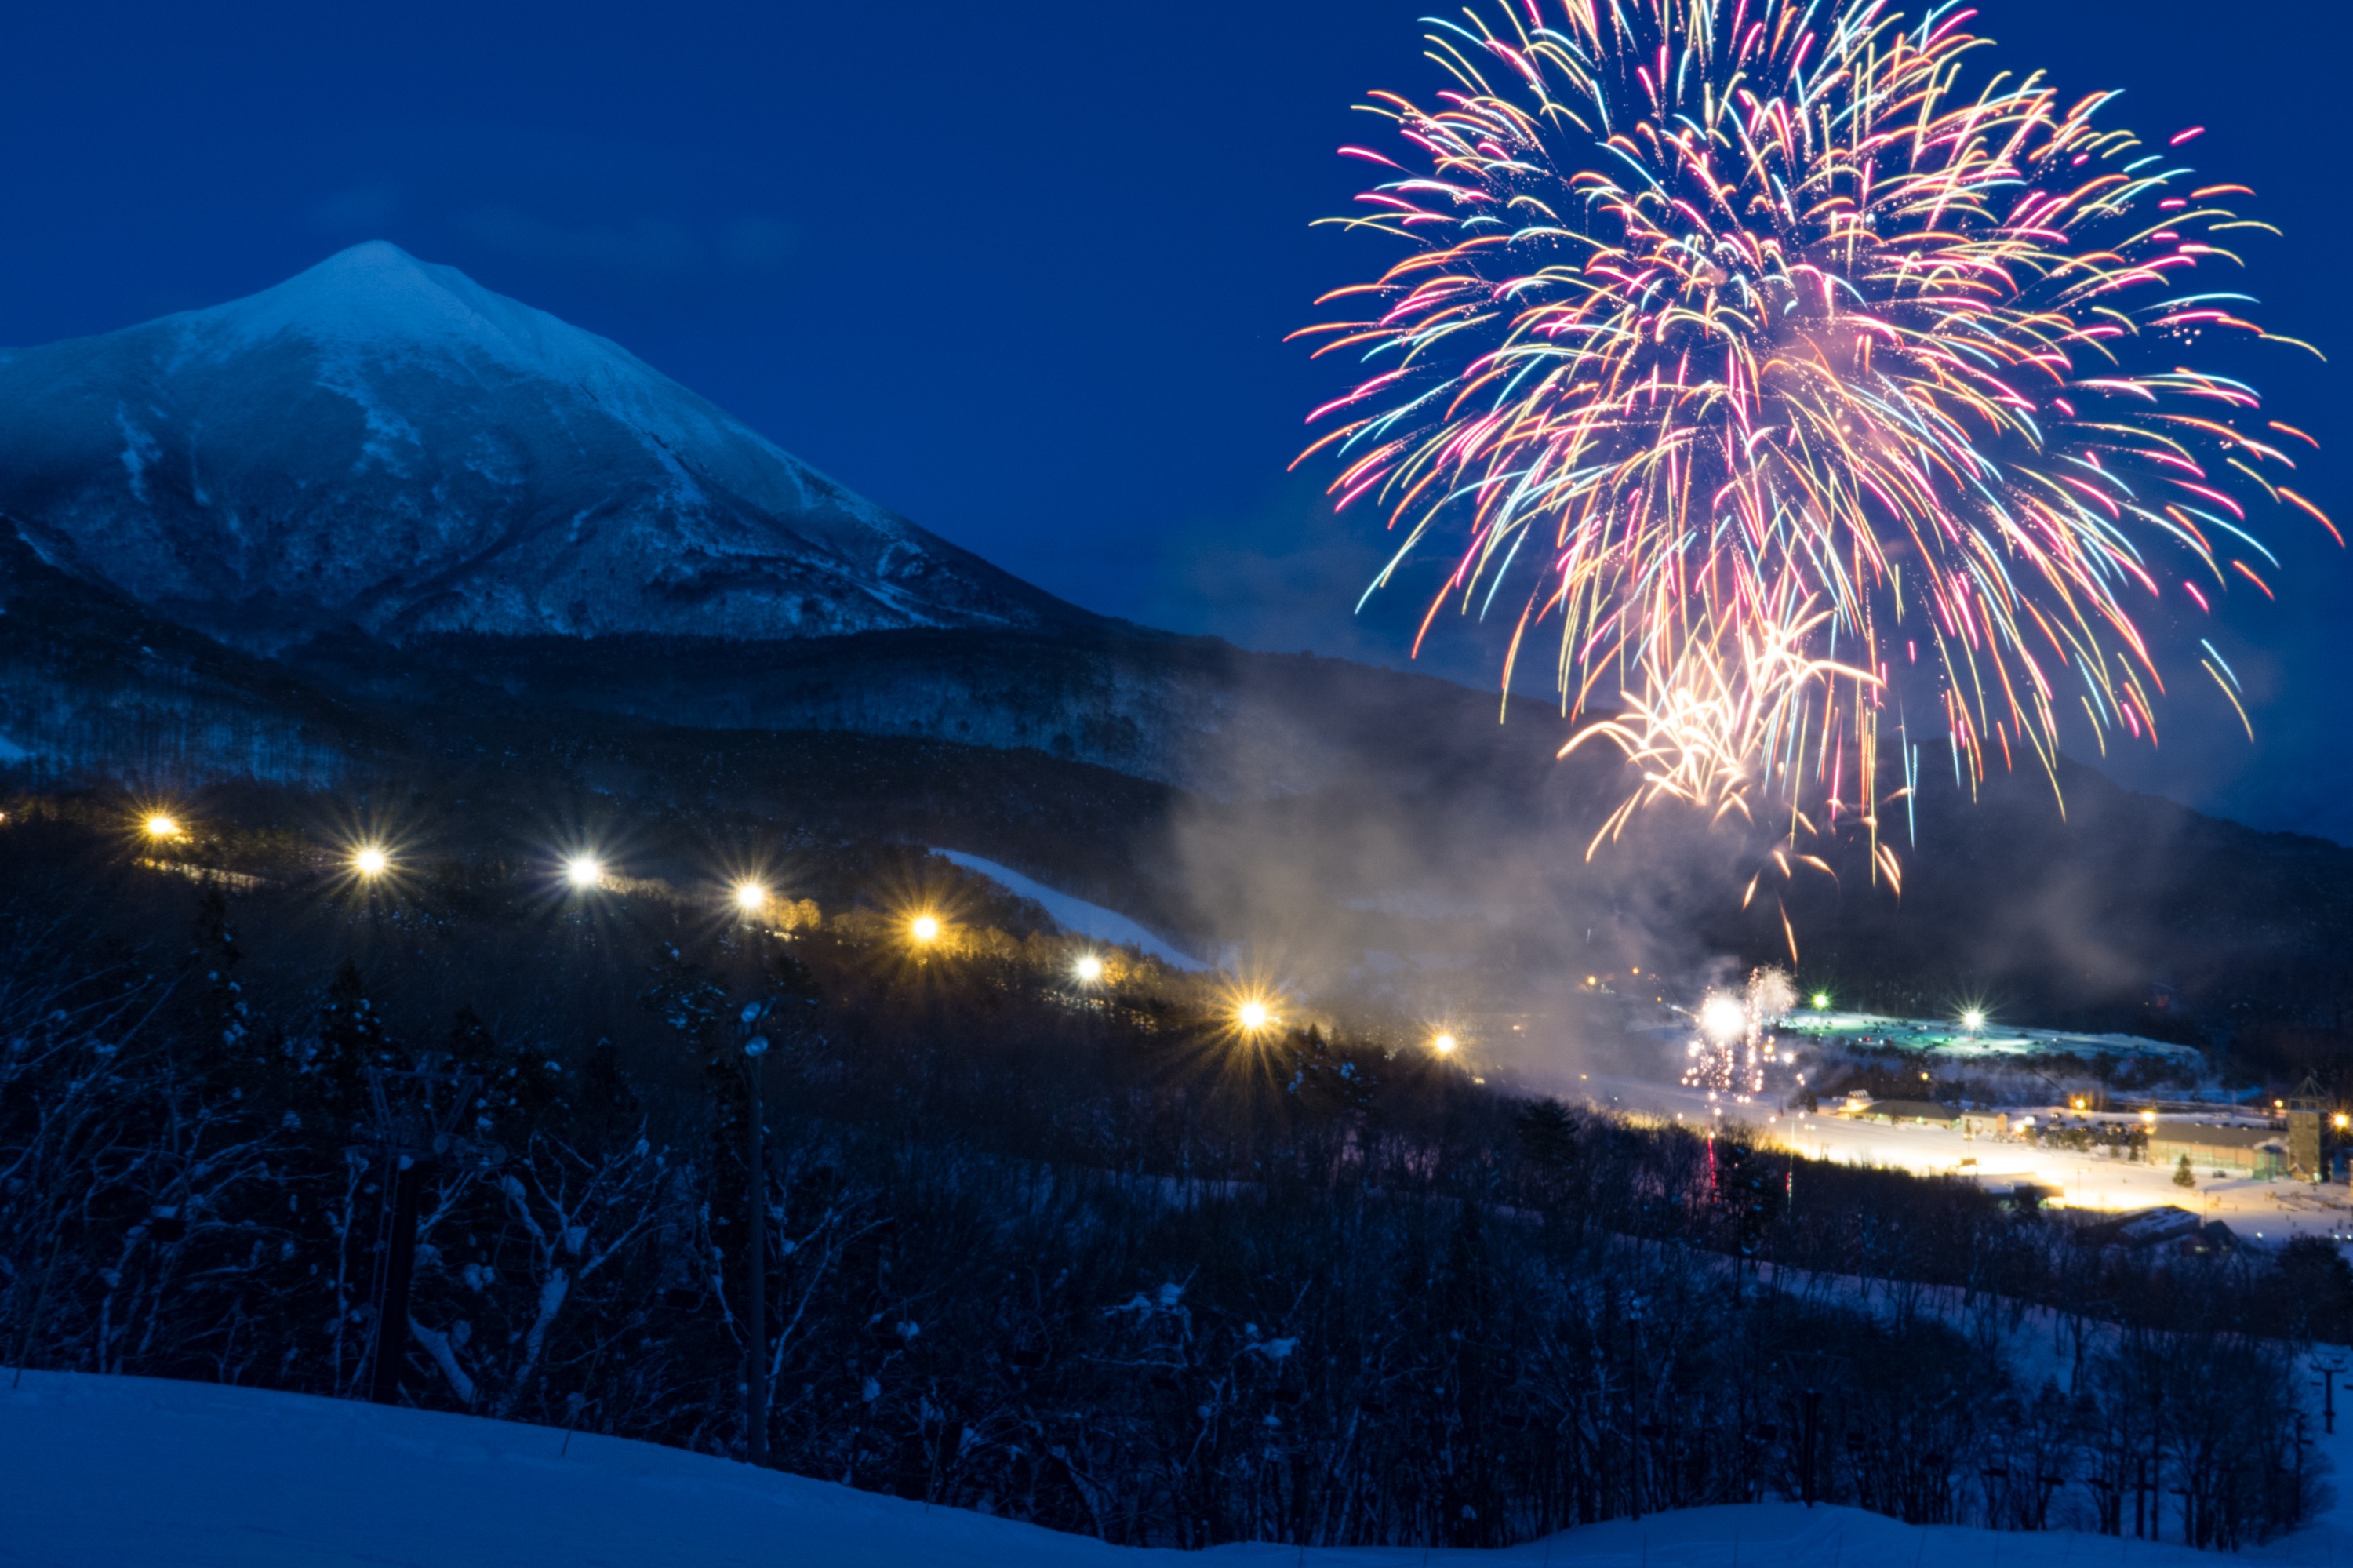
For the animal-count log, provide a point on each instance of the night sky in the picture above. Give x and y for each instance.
(1023, 272)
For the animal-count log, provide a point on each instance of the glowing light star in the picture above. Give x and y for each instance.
(925, 928)
(1443, 1043)
(1253, 1016)
(584, 870)
(750, 895)
(369, 860)
(1973, 1020)
(1089, 968)
(160, 826)
(1821, 1000)
(1808, 371)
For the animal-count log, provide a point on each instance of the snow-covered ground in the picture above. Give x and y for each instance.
(1076, 915)
(1960, 1042)
(100, 1472)
(2263, 1210)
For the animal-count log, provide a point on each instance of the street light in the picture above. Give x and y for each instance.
(1252, 1016)
(925, 928)
(750, 895)
(1444, 1044)
(371, 861)
(160, 826)
(584, 870)
(1089, 968)
(1973, 1020)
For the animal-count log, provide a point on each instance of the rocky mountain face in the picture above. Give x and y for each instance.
(410, 490)
(383, 445)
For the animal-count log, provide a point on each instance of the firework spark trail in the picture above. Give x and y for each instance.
(1790, 354)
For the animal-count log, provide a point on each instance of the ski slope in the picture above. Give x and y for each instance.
(100, 1472)
(1076, 915)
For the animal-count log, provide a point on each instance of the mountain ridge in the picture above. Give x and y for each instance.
(382, 443)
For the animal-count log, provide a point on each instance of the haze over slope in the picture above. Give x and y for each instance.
(383, 443)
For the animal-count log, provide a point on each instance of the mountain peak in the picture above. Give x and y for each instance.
(376, 297)
(371, 292)
(382, 443)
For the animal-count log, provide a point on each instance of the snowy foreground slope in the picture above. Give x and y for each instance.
(133, 1471)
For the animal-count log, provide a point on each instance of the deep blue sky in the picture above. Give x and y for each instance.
(1022, 272)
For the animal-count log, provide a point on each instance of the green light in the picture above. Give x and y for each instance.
(1821, 1000)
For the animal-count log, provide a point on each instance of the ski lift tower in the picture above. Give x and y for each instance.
(414, 1127)
(2305, 1110)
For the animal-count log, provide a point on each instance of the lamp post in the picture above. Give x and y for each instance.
(755, 1260)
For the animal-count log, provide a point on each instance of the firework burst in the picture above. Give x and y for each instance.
(1797, 371)
(1733, 1048)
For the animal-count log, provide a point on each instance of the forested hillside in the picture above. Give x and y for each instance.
(1093, 1255)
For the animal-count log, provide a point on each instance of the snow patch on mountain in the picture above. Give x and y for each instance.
(383, 443)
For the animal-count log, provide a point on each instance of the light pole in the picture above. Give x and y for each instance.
(755, 1261)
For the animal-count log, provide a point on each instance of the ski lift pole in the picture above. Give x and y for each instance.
(2329, 1370)
(755, 1248)
(400, 1267)
(33, 1319)
(416, 1121)
(580, 1400)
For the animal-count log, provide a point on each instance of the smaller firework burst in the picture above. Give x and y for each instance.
(1734, 1049)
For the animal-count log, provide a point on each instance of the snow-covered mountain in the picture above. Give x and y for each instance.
(383, 443)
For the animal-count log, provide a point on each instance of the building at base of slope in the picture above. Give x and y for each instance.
(2261, 1152)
